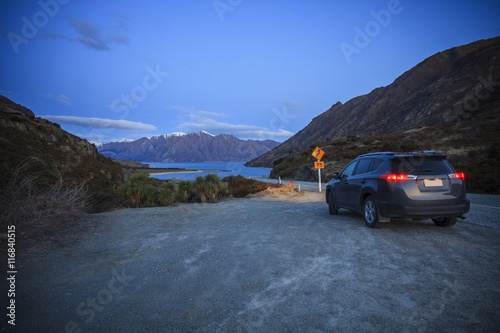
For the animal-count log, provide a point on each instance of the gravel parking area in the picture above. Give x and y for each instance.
(266, 264)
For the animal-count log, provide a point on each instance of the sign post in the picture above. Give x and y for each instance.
(318, 153)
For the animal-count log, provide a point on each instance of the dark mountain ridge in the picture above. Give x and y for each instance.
(193, 147)
(451, 86)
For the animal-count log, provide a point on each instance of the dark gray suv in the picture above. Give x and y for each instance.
(418, 185)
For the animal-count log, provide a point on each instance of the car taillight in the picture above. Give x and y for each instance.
(457, 175)
(397, 177)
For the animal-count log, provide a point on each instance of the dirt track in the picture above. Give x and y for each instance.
(270, 264)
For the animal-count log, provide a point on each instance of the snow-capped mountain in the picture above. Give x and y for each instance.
(192, 147)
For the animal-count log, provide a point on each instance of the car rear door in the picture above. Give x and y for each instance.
(435, 183)
(342, 189)
(356, 183)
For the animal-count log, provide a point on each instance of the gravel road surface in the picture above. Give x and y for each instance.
(279, 263)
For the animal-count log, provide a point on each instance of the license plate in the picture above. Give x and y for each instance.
(433, 183)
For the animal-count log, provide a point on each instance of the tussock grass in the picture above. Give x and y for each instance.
(141, 191)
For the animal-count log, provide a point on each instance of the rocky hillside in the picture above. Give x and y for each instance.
(8, 106)
(54, 154)
(449, 87)
(193, 147)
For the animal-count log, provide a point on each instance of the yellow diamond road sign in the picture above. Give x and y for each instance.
(318, 153)
(319, 165)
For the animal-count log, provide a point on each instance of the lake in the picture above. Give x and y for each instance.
(233, 168)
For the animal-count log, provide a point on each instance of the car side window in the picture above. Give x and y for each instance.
(363, 166)
(376, 162)
(349, 170)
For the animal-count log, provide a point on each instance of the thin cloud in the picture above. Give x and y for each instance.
(98, 137)
(96, 37)
(291, 104)
(281, 133)
(195, 120)
(212, 114)
(89, 34)
(240, 131)
(212, 125)
(194, 113)
(61, 98)
(101, 123)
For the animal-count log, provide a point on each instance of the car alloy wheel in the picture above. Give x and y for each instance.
(370, 212)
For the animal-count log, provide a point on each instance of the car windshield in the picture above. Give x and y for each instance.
(421, 166)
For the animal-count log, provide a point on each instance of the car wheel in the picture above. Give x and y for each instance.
(444, 222)
(331, 204)
(370, 212)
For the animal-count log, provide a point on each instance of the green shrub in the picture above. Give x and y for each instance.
(167, 194)
(140, 191)
(184, 189)
(214, 188)
(199, 189)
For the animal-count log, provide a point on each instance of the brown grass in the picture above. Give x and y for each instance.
(277, 189)
(33, 193)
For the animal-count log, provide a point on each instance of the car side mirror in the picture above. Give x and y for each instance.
(336, 175)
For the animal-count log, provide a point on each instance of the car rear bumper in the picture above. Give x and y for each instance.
(391, 209)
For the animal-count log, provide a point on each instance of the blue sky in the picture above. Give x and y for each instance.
(260, 69)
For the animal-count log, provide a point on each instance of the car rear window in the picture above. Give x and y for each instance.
(421, 166)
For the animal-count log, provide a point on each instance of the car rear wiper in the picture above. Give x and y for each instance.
(423, 171)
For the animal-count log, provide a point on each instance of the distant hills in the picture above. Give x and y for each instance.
(450, 102)
(452, 86)
(192, 147)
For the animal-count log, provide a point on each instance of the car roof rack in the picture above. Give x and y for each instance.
(388, 153)
(429, 152)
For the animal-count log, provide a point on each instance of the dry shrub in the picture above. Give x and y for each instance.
(33, 191)
(240, 186)
(288, 188)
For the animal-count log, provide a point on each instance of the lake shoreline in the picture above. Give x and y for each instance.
(190, 170)
(163, 171)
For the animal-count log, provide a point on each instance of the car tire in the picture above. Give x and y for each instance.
(444, 222)
(370, 212)
(332, 209)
